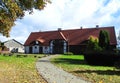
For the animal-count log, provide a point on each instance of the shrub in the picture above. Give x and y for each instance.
(92, 45)
(117, 64)
(25, 55)
(103, 58)
(4, 54)
(35, 56)
(18, 55)
(10, 54)
(39, 56)
(98, 51)
(68, 53)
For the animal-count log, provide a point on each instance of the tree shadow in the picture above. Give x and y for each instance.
(83, 62)
(70, 61)
(100, 72)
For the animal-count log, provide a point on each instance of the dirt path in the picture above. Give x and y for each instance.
(55, 75)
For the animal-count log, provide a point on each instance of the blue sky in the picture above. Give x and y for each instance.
(68, 14)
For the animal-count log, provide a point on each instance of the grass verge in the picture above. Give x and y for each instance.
(15, 69)
(96, 74)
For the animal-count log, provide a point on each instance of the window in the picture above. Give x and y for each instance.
(36, 42)
(35, 47)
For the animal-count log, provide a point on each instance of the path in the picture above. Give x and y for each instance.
(55, 75)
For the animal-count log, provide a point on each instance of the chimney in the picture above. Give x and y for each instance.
(97, 26)
(59, 29)
(81, 27)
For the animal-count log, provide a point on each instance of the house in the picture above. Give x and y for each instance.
(61, 41)
(14, 46)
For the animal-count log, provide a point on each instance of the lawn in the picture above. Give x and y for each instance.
(76, 65)
(19, 69)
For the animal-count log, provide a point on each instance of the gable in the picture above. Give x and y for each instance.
(13, 43)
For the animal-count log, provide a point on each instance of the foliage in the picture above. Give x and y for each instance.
(118, 40)
(119, 35)
(99, 45)
(2, 47)
(11, 10)
(99, 52)
(93, 44)
(68, 53)
(117, 64)
(104, 39)
(103, 58)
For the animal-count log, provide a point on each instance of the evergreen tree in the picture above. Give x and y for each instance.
(118, 39)
(104, 39)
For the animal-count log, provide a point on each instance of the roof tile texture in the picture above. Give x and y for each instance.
(73, 36)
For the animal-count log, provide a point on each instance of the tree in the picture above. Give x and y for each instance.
(118, 39)
(93, 44)
(119, 35)
(104, 39)
(10, 10)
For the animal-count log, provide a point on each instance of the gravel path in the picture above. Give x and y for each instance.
(55, 75)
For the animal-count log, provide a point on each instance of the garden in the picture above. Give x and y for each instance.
(99, 51)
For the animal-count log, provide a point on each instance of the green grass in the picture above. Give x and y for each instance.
(96, 74)
(21, 69)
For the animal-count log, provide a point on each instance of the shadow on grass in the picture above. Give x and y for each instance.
(82, 62)
(70, 61)
(100, 72)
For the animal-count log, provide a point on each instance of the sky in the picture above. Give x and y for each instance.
(67, 14)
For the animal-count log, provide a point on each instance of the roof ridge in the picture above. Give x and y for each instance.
(63, 36)
(13, 40)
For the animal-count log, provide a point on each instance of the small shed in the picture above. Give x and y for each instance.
(14, 46)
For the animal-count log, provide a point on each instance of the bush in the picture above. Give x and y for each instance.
(103, 58)
(35, 56)
(68, 53)
(98, 52)
(92, 45)
(117, 64)
(25, 55)
(18, 55)
(10, 54)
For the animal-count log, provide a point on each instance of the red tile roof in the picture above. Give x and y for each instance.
(73, 36)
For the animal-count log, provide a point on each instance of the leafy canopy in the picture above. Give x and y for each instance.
(10, 10)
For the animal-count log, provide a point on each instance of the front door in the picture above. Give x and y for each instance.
(58, 46)
(40, 50)
(30, 49)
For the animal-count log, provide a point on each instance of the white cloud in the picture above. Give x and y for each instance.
(68, 14)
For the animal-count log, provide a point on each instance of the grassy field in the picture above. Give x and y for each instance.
(77, 66)
(19, 69)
